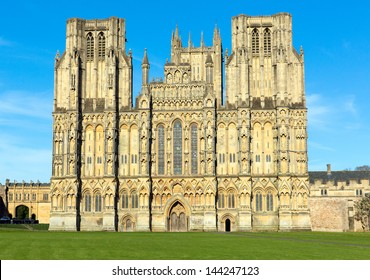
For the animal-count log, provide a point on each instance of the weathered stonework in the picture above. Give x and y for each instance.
(182, 159)
(33, 195)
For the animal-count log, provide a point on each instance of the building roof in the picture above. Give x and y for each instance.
(338, 176)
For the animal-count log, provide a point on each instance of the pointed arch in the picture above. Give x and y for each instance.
(101, 45)
(177, 147)
(194, 148)
(89, 47)
(267, 41)
(161, 148)
(255, 41)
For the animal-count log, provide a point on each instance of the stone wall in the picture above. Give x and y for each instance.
(333, 214)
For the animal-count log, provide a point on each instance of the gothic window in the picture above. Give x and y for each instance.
(258, 158)
(231, 200)
(134, 200)
(33, 196)
(98, 202)
(45, 196)
(160, 149)
(101, 45)
(87, 202)
(232, 157)
(221, 201)
(255, 41)
(269, 202)
(90, 47)
(258, 202)
(268, 158)
(124, 199)
(10, 197)
(194, 149)
(267, 41)
(177, 147)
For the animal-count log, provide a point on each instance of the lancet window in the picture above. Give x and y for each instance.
(124, 199)
(258, 202)
(267, 41)
(88, 202)
(98, 202)
(255, 41)
(160, 149)
(194, 149)
(269, 202)
(101, 45)
(177, 148)
(90, 47)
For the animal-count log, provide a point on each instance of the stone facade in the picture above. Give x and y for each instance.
(33, 196)
(182, 159)
(332, 198)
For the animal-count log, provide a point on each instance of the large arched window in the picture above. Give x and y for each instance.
(267, 41)
(160, 149)
(255, 41)
(89, 47)
(177, 147)
(101, 45)
(194, 149)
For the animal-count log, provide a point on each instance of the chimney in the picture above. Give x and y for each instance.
(328, 169)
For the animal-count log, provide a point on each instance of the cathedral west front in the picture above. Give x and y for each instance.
(183, 158)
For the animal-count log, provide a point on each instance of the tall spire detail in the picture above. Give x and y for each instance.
(189, 41)
(201, 39)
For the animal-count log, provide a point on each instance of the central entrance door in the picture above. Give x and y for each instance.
(177, 218)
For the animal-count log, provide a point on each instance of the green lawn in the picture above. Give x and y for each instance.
(39, 244)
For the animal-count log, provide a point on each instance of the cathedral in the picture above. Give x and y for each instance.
(182, 158)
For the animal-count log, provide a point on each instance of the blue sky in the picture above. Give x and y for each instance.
(335, 37)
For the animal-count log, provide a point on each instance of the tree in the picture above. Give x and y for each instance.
(363, 168)
(362, 211)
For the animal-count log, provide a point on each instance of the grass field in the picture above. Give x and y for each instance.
(20, 243)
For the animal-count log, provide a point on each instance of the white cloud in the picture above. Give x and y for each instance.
(318, 111)
(26, 104)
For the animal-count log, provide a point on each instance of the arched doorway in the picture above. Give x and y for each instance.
(22, 212)
(177, 218)
(128, 224)
(227, 225)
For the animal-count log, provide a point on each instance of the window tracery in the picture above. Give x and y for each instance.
(267, 41)
(255, 41)
(177, 147)
(90, 47)
(101, 45)
(160, 149)
(194, 149)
